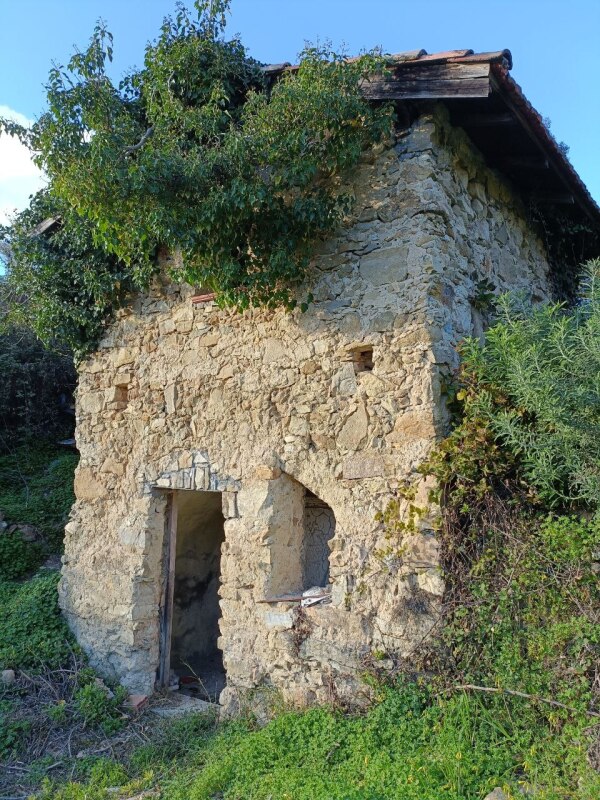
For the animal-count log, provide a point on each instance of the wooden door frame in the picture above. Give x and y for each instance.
(166, 621)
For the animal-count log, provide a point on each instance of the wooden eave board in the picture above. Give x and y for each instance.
(433, 82)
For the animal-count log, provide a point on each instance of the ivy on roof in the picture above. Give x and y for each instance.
(197, 151)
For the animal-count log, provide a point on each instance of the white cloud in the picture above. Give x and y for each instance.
(19, 176)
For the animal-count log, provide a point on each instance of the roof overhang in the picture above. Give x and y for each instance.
(484, 100)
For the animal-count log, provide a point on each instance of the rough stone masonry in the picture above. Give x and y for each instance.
(341, 403)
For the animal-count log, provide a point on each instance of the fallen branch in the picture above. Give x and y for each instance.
(470, 687)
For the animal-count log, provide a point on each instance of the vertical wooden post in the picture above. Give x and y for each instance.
(169, 585)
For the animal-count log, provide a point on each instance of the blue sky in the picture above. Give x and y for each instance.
(555, 47)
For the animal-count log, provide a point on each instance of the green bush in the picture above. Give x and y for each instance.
(18, 557)
(36, 487)
(37, 383)
(33, 634)
(99, 707)
(537, 388)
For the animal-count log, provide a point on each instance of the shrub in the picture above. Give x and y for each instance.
(99, 706)
(37, 385)
(33, 634)
(537, 389)
(18, 557)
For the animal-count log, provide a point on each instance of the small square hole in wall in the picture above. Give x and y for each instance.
(362, 358)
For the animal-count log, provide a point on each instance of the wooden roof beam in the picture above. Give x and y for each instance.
(526, 162)
(431, 82)
(491, 120)
(554, 199)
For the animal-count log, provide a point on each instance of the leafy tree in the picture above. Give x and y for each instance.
(198, 152)
(61, 284)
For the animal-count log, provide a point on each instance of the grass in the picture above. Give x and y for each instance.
(409, 746)
(36, 488)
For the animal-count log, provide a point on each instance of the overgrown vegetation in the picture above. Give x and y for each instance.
(409, 746)
(521, 534)
(198, 152)
(36, 388)
(53, 702)
(33, 634)
(36, 493)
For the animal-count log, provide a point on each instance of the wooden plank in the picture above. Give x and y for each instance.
(548, 198)
(442, 72)
(294, 598)
(413, 82)
(525, 162)
(403, 90)
(284, 598)
(45, 226)
(486, 120)
(169, 586)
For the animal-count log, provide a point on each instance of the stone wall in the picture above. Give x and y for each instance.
(264, 404)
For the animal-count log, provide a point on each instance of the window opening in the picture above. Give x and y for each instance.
(362, 358)
(319, 528)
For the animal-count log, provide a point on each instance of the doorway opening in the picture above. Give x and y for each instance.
(192, 610)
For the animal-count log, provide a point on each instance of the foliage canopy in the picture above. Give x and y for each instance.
(198, 152)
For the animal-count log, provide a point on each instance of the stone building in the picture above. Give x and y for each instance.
(232, 464)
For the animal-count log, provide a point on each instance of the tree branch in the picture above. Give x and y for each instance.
(494, 690)
(141, 142)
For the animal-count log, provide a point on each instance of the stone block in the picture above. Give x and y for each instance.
(496, 794)
(354, 430)
(267, 473)
(123, 355)
(171, 398)
(201, 477)
(113, 466)
(279, 619)
(137, 702)
(230, 510)
(8, 676)
(387, 265)
(87, 486)
(411, 426)
(274, 350)
(91, 402)
(363, 465)
(343, 382)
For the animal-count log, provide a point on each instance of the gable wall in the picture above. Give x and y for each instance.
(183, 397)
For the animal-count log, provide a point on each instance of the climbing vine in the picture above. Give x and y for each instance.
(200, 152)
